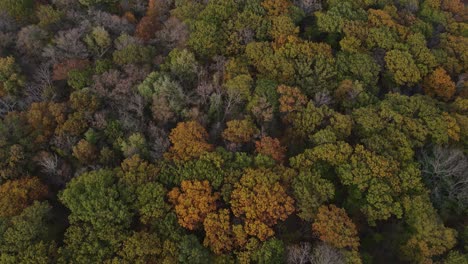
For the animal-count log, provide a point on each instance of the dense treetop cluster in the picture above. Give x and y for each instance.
(233, 131)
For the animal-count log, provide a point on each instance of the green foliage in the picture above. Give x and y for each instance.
(79, 79)
(311, 191)
(11, 79)
(272, 251)
(26, 238)
(272, 130)
(132, 53)
(48, 16)
(192, 251)
(96, 199)
(402, 67)
(19, 9)
(98, 40)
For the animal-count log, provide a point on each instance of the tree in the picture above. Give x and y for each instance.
(291, 99)
(192, 251)
(299, 253)
(26, 238)
(150, 202)
(335, 227)
(134, 171)
(169, 98)
(141, 247)
(96, 2)
(98, 40)
(444, 172)
(182, 65)
(439, 84)
(221, 235)
(428, 236)
(189, 141)
(20, 10)
(11, 80)
(240, 131)
(311, 191)
(402, 66)
(261, 200)
(85, 152)
(271, 147)
(45, 118)
(135, 145)
(358, 66)
(95, 198)
(16, 195)
(48, 16)
(31, 40)
(193, 202)
(324, 253)
(271, 251)
(130, 51)
(276, 7)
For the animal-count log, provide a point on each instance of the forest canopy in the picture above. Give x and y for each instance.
(233, 131)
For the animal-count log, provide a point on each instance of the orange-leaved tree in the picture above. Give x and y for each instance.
(262, 201)
(193, 201)
(439, 84)
(189, 141)
(271, 147)
(221, 235)
(15, 195)
(240, 131)
(335, 227)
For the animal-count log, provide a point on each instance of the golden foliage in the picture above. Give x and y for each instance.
(193, 202)
(15, 195)
(189, 141)
(335, 227)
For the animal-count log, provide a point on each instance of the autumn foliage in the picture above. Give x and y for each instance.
(262, 201)
(15, 195)
(439, 84)
(270, 147)
(240, 131)
(221, 234)
(189, 141)
(334, 226)
(193, 201)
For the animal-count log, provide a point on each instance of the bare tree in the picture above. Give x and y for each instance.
(173, 34)
(309, 6)
(445, 171)
(114, 24)
(299, 254)
(322, 98)
(326, 254)
(6, 106)
(49, 163)
(68, 45)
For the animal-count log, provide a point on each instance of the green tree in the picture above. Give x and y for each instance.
(11, 80)
(271, 251)
(96, 198)
(27, 237)
(192, 251)
(402, 67)
(311, 191)
(428, 237)
(19, 9)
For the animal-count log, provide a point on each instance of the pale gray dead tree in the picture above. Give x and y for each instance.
(445, 171)
(309, 6)
(299, 254)
(326, 254)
